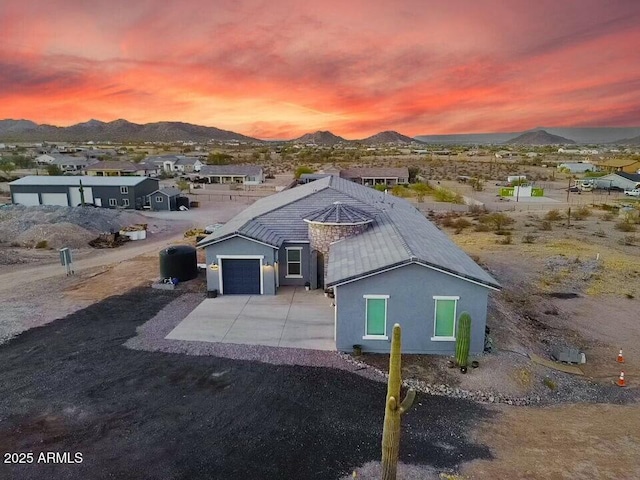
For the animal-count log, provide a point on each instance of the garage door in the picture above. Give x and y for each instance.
(240, 276)
(55, 199)
(76, 198)
(26, 199)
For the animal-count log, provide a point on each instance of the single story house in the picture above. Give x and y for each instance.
(627, 165)
(244, 174)
(175, 163)
(310, 177)
(108, 192)
(187, 165)
(71, 164)
(377, 176)
(164, 199)
(55, 158)
(619, 180)
(383, 260)
(112, 168)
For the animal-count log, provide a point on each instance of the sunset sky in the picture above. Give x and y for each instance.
(279, 68)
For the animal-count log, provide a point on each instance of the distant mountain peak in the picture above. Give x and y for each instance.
(321, 137)
(388, 136)
(539, 137)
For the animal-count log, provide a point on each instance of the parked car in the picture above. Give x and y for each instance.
(633, 193)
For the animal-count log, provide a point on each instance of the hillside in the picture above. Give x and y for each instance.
(628, 141)
(388, 136)
(539, 137)
(320, 138)
(116, 131)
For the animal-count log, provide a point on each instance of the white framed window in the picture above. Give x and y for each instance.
(444, 318)
(294, 262)
(159, 198)
(125, 202)
(113, 202)
(124, 190)
(375, 317)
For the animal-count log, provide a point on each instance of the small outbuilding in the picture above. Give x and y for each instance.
(164, 199)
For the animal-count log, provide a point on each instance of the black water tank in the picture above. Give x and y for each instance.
(179, 261)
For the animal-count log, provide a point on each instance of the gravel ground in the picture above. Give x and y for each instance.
(505, 377)
(70, 386)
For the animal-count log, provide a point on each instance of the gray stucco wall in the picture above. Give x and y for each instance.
(282, 264)
(241, 246)
(411, 290)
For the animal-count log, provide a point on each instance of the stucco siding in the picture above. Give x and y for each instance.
(282, 264)
(240, 246)
(411, 289)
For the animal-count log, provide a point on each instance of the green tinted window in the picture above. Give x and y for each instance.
(376, 316)
(445, 318)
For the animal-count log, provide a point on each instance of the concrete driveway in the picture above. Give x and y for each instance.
(293, 318)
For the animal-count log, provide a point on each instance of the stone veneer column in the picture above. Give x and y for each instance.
(321, 236)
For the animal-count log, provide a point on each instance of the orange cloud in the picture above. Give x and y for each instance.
(280, 69)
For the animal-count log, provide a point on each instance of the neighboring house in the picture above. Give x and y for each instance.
(45, 159)
(70, 164)
(383, 260)
(244, 174)
(377, 176)
(166, 163)
(577, 167)
(150, 169)
(310, 177)
(619, 180)
(626, 165)
(187, 165)
(164, 199)
(112, 168)
(109, 192)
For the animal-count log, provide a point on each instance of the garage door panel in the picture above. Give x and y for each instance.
(55, 199)
(241, 276)
(26, 199)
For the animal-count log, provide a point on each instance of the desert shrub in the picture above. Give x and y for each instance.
(581, 213)
(476, 210)
(550, 384)
(625, 227)
(497, 220)
(42, 244)
(600, 233)
(482, 227)
(553, 215)
(444, 195)
(607, 217)
(545, 225)
(460, 224)
(506, 239)
(529, 238)
(628, 240)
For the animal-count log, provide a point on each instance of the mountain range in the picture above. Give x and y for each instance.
(125, 131)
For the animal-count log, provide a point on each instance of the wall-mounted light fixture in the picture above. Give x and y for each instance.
(213, 266)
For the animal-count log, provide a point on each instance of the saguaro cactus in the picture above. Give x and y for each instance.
(394, 409)
(463, 340)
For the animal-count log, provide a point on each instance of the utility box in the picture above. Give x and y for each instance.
(568, 355)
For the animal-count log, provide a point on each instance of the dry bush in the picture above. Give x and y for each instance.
(529, 238)
(506, 239)
(607, 217)
(460, 224)
(581, 213)
(625, 227)
(628, 240)
(545, 226)
(553, 215)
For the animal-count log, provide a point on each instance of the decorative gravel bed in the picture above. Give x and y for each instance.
(151, 337)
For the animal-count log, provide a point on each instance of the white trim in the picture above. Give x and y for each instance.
(286, 255)
(434, 337)
(218, 240)
(159, 199)
(124, 190)
(415, 263)
(335, 314)
(113, 202)
(345, 224)
(125, 202)
(239, 257)
(366, 336)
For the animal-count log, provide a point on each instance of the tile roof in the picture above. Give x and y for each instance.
(399, 233)
(237, 170)
(339, 213)
(113, 165)
(366, 172)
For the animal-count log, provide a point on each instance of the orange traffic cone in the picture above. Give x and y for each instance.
(621, 382)
(620, 357)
